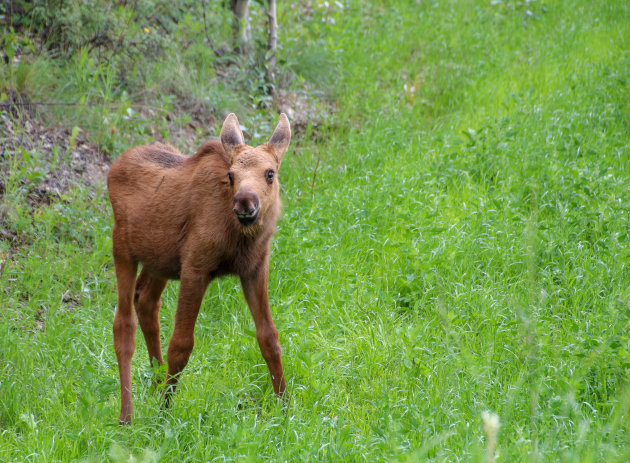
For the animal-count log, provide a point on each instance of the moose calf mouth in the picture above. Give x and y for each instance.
(247, 219)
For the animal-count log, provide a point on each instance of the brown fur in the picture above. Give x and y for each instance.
(185, 218)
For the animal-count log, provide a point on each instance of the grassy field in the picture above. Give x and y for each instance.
(455, 239)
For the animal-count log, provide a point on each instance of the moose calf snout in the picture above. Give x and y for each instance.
(246, 207)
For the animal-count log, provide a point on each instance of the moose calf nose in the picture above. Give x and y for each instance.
(245, 204)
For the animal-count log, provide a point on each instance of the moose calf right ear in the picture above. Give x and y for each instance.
(231, 134)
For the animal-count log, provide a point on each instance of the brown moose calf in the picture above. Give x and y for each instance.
(193, 219)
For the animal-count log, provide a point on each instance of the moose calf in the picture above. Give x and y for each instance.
(193, 219)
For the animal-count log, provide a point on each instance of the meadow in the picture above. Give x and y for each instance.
(455, 239)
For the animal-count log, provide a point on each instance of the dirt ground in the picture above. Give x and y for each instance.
(42, 163)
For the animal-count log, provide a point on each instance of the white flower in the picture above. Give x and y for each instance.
(491, 427)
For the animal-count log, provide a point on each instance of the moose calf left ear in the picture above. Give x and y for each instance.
(281, 137)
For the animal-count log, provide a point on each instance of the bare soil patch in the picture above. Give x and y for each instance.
(62, 161)
(39, 165)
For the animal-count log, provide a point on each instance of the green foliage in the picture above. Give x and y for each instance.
(456, 242)
(113, 28)
(124, 71)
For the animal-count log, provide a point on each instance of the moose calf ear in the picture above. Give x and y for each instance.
(231, 135)
(281, 137)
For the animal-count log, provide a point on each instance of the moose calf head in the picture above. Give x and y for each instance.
(253, 171)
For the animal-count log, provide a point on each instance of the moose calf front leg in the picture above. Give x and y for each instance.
(255, 290)
(191, 291)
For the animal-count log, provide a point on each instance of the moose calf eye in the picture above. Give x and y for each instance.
(270, 174)
(229, 175)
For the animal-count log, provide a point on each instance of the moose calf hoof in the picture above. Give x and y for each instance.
(167, 397)
(287, 406)
(247, 401)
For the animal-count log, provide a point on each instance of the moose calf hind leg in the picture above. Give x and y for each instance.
(147, 301)
(125, 333)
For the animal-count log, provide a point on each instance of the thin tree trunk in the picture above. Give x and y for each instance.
(272, 44)
(240, 27)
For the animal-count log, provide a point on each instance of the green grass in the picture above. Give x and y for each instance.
(459, 248)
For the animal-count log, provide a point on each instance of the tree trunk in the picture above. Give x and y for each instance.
(240, 26)
(273, 42)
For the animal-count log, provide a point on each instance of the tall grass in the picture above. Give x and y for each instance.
(445, 250)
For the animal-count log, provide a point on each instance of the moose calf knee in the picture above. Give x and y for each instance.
(145, 300)
(269, 344)
(124, 334)
(147, 311)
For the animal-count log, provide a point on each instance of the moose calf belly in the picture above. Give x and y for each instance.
(157, 254)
